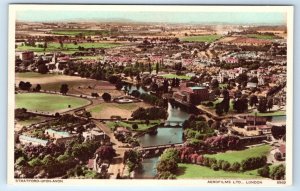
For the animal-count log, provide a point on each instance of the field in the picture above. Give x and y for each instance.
(262, 36)
(171, 76)
(54, 46)
(69, 32)
(48, 103)
(191, 171)
(202, 38)
(271, 113)
(106, 110)
(77, 85)
(141, 126)
(238, 156)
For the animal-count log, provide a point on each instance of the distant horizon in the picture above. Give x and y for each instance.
(234, 18)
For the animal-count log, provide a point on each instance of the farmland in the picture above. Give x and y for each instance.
(202, 38)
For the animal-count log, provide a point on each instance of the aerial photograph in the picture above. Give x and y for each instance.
(137, 94)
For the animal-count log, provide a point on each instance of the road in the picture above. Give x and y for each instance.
(117, 165)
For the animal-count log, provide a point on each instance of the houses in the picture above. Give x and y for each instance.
(94, 134)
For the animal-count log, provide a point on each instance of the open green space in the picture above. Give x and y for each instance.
(42, 102)
(191, 171)
(141, 124)
(107, 110)
(270, 114)
(73, 32)
(239, 156)
(171, 76)
(262, 36)
(32, 120)
(54, 46)
(202, 38)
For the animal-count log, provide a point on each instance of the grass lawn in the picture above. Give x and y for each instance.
(269, 114)
(171, 76)
(201, 38)
(261, 36)
(193, 171)
(54, 46)
(238, 156)
(141, 126)
(106, 110)
(48, 102)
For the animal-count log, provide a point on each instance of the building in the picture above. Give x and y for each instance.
(26, 140)
(191, 94)
(60, 137)
(94, 134)
(27, 56)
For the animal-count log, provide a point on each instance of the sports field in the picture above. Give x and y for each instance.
(48, 103)
(238, 156)
(193, 171)
(54, 46)
(202, 38)
(106, 110)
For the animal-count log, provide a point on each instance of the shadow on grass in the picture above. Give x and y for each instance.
(181, 170)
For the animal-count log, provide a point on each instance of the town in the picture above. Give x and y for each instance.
(138, 100)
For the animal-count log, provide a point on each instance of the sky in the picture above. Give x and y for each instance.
(150, 16)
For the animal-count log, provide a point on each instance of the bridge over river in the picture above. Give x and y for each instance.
(151, 151)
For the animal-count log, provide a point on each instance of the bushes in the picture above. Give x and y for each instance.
(253, 163)
(278, 172)
(167, 165)
(264, 172)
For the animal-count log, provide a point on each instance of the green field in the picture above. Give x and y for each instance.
(193, 171)
(54, 46)
(73, 32)
(141, 126)
(269, 114)
(262, 36)
(32, 120)
(106, 110)
(202, 38)
(238, 156)
(48, 102)
(171, 76)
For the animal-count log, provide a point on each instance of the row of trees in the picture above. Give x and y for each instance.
(149, 113)
(276, 173)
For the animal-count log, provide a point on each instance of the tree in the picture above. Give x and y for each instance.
(240, 105)
(64, 89)
(157, 67)
(38, 88)
(43, 69)
(262, 105)
(235, 166)
(106, 152)
(264, 172)
(119, 85)
(135, 126)
(242, 78)
(96, 95)
(214, 83)
(278, 172)
(25, 85)
(219, 109)
(253, 100)
(278, 131)
(106, 97)
(270, 103)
